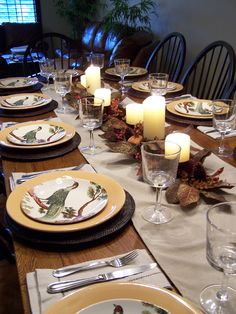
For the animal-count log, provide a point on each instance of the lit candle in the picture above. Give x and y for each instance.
(183, 140)
(93, 79)
(105, 94)
(134, 113)
(83, 80)
(154, 117)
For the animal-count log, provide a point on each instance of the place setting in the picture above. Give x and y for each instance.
(64, 209)
(12, 85)
(38, 140)
(26, 105)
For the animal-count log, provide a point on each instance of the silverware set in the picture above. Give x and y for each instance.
(118, 262)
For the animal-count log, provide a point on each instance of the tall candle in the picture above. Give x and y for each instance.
(134, 113)
(105, 94)
(183, 140)
(83, 80)
(154, 117)
(93, 79)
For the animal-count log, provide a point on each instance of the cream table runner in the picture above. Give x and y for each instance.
(178, 246)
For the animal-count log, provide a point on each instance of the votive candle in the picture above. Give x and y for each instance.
(134, 113)
(93, 78)
(183, 140)
(105, 94)
(83, 80)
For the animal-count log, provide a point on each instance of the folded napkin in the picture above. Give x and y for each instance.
(18, 175)
(212, 132)
(38, 281)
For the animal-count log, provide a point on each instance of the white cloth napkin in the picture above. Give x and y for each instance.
(38, 281)
(212, 132)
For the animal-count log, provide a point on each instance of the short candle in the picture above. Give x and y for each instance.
(154, 117)
(183, 140)
(83, 80)
(134, 113)
(105, 94)
(93, 78)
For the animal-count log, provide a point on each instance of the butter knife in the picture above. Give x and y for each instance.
(62, 286)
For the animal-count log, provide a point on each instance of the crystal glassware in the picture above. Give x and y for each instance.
(97, 59)
(224, 120)
(122, 69)
(159, 167)
(157, 83)
(91, 115)
(62, 84)
(46, 70)
(221, 254)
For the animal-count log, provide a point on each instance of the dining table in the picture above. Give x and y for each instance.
(130, 237)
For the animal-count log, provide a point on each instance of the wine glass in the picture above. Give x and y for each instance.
(159, 166)
(122, 69)
(221, 254)
(157, 83)
(97, 59)
(46, 70)
(224, 120)
(62, 84)
(91, 113)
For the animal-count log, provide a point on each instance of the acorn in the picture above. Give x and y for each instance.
(135, 139)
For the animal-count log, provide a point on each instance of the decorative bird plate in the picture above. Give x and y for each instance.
(142, 86)
(194, 107)
(36, 134)
(17, 82)
(64, 200)
(133, 71)
(24, 101)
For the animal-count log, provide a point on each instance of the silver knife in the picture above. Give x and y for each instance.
(62, 286)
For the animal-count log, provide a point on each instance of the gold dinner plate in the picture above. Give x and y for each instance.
(171, 107)
(116, 199)
(70, 133)
(133, 71)
(116, 293)
(28, 105)
(141, 86)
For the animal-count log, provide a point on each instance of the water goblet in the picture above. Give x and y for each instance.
(46, 70)
(97, 59)
(221, 254)
(157, 83)
(224, 120)
(62, 84)
(122, 69)
(159, 166)
(91, 114)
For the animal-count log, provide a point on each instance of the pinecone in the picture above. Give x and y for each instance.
(199, 172)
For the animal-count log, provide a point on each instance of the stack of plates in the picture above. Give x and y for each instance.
(194, 111)
(123, 297)
(67, 208)
(142, 86)
(21, 84)
(38, 140)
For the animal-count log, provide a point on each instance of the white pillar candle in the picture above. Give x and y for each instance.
(83, 80)
(134, 113)
(183, 140)
(93, 79)
(105, 94)
(154, 117)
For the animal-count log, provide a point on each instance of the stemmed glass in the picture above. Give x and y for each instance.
(159, 165)
(97, 59)
(157, 83)
(46, 70)
(91, 114)
(62, 84)
(224, 120)
(221, 254)
(122, 69)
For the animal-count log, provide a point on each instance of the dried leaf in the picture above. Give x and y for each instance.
(109, 135)
(213, 196)
(122, 147)
(219, 184)
(171, 193)
(201, 155)
(217, 172)
(187, 195)
(199, 172)
(114, 123)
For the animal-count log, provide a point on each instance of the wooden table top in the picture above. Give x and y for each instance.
(27, 259)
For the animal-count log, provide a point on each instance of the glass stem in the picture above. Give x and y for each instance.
(158, 199)
(122, 83)
(222, 146)
(222, 294)
(91, 140)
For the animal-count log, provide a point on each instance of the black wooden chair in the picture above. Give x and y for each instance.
(211, 73)
(231, 92)
(168, 56)
(49, 45)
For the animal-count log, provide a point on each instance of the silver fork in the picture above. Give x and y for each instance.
(116, 262)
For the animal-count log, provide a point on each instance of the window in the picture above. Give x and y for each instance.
(19, 11)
